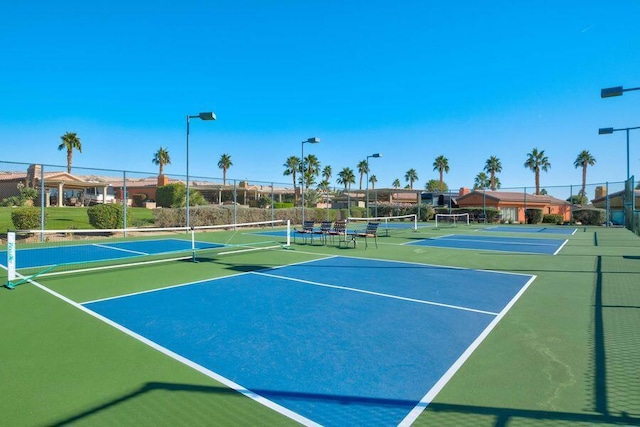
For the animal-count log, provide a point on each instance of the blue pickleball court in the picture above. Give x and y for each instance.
(494, 243)
(334, 341)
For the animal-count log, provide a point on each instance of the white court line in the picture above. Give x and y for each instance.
(346, 288)
(119, 249)
(431, 394)
(506, 242)
(561, 246)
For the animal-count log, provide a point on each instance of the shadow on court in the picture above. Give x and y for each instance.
(501, 416)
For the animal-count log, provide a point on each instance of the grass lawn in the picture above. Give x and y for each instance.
(62, 218)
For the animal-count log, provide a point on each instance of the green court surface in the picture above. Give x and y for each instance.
(566, 354)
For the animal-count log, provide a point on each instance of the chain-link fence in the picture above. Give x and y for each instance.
(54, 186)
(45, 186)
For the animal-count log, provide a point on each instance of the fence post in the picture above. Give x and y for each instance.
(42, 204)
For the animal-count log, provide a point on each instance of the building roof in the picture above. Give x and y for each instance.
(514, 197)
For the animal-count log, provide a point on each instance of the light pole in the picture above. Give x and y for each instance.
(312, 140)
(201, 116)
(376, 155)
(615, 91)
(607, 131)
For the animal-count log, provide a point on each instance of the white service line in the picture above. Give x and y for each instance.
(346, 288)
(119, 249)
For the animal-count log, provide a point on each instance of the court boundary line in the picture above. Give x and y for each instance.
(416, 263)
(380, 294)
(196, 282)
(115, 249)
(444, 379)
(472, 238)
(415, 243)
(185, 361)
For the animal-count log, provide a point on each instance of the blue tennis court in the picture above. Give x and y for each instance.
(494, 243)
(526, 229)
(334, 341)
(97, 252)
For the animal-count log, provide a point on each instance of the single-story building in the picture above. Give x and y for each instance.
(615, 203)
(512, 204)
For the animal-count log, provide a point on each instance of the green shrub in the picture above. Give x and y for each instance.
(139, 199)
(553, 219)
(589, 216)
(27, 218)
(107, 216)
(171, 195)
(533, 216)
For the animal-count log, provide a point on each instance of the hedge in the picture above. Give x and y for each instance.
(589, 216)
(27, 218)
(105, 216)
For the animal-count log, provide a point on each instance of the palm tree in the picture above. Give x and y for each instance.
(584, 159)
(441, 164)
(346, 177)
(372, 180)
(537, 161)
(481, 182)
(224, 163)
(291, 168)
(493, 166)
(312, 169)
(411, 176)
(70, 141)
(363, 168)
(396, 183)
(161, 158)
(327, 172)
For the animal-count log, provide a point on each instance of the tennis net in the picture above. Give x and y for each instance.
(452, 220)
(388, 223)
(32, 253)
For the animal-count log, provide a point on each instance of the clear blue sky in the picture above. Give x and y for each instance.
(410, 79)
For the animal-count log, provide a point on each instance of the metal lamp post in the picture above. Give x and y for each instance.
(615, 91)
(607, 131)
(376, 155)
(312, 140)
(201, 116)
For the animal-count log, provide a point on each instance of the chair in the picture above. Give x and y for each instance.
(325, 228)
(305, 231)
(339, 230)
(370, 233)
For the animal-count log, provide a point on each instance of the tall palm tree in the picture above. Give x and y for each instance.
(584, 160)
(411, 176)
(161, 158)
(291, 168)
(372, 180)
(327, 172)
(224, 163)
(312, 170)
(537, 161)
(493, 166)
(346, 177)
(441, 164)
(481, 182)
(363, 168)
(70, 141)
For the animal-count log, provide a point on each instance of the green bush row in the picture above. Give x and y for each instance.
(590, 216)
